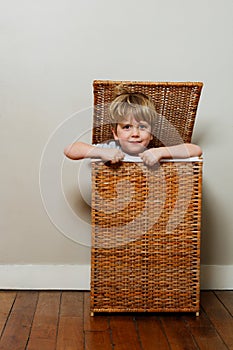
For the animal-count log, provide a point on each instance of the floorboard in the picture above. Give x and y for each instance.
(17, 329)
(219, 316)
(151, 333)
(124, 333)
(226, 297)
(70, 328)
(61, 320)
(178, 334)
(44, 328)
(204, 332)
(6, 302)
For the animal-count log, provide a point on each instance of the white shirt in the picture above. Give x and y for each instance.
(129, 158)
(114, 144)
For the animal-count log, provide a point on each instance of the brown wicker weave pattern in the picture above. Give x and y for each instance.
(146, 223)
(146, 253)
(176, 104)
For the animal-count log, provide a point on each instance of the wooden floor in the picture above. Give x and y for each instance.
(52, 320)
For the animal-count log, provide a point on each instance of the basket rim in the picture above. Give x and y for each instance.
(152, 83)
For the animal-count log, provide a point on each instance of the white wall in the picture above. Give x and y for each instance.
(50, 53)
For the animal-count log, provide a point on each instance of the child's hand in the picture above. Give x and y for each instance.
(151, 156)
(111, 154)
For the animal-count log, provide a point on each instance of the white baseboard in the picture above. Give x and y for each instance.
(216, 276)
(77, 277)
(64, 277)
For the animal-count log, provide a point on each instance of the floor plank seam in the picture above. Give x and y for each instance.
(164, 332)
(214, 327)
(190, 332)
(138, 333)
(110, 333)
(33, 318)
(228, 311)
(9, 313)
(58, 319)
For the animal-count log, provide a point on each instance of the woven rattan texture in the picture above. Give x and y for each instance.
(146, 237)
(176, 104)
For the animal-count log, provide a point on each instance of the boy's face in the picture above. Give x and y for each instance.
(133, 136)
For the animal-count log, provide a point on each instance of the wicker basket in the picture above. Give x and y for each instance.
(146, 226)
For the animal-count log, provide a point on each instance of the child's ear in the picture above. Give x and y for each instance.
(114, 135)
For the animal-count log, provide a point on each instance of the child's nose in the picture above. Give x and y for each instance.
(135, 131)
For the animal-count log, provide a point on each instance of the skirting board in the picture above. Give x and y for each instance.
(64, 277)
(216, 277)
(77, 277)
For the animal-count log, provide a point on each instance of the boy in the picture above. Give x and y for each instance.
(132, 117)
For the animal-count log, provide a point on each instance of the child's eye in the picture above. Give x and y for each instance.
(142, 126)
(127, 126)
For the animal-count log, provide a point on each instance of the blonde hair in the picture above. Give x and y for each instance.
(131, 104)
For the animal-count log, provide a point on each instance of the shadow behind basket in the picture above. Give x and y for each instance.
(146, 223)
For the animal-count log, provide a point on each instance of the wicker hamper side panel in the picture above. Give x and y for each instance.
(146, 237)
